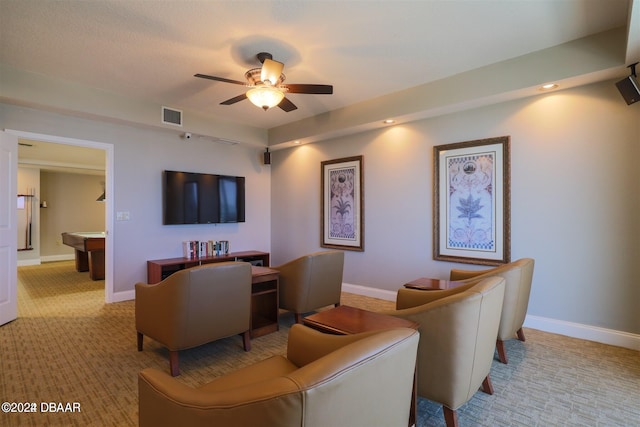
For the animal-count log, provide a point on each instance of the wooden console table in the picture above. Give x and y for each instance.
(159, 269)
(264, 301)
(264, 284)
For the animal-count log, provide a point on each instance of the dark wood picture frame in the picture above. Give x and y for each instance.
(472, 201)
(342, 216)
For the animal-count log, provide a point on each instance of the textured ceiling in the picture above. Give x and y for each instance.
(150, 50)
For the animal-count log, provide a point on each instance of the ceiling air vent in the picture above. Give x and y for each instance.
(171, 116)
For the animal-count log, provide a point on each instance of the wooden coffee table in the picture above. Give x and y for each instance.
(346, 320)
(428, 284)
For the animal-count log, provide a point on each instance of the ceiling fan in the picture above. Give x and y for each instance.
(265, 86)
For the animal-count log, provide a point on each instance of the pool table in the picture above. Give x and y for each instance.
(89, 246)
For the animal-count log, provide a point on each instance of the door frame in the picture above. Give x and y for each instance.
(8, 228)
(109, 178)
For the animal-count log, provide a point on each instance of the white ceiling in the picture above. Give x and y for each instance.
(151, 49)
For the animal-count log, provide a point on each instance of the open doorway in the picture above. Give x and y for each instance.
(56, 158)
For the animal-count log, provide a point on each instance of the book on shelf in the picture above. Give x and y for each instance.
(190, 249)
(204, 248)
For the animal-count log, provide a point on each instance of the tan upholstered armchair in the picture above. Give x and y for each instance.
(517, 276)
(195, 306)
(311, 282)
(457, 340)
(325, 380)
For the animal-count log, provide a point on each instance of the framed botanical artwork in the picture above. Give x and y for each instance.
(471, 202)
(342, 214)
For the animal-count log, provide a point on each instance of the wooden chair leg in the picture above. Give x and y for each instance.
(487, 387)
(298, 317)
(173, 363)
(502, 353)
(520, 333)
(140, 339)
(450, 417)
(246, 340)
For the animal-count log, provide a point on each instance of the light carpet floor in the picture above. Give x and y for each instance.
(68, 346)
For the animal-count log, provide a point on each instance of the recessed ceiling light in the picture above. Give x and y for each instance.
(297, 142)
(548, 86)
(389, 122)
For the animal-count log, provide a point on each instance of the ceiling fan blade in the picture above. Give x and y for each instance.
(287, 105)
(312, 89)
(271, 71)
(220, 79)
(234, 99)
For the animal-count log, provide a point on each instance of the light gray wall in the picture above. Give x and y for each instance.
(71, 206)
(140, 156)
(575, 194)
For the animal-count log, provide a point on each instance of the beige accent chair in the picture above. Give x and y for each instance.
(195, 306)
(518, 276)
(457, 340)
(325, 380)
(310, 282)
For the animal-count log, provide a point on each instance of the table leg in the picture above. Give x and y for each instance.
(96, 265)
(82, 261)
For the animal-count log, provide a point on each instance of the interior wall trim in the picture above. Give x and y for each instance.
(585, 332)
(123, 296)
(28, 262)
(54, 258)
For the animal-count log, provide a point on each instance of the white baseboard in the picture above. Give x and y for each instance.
(26, 262)
(49, 258)
(369, 292)
(585, 332)
(561, 327)
(122, 296)
(53, 258)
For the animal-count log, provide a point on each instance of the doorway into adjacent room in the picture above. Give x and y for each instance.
(70, 171)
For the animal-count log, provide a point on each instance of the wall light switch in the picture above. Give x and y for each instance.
(122, 216)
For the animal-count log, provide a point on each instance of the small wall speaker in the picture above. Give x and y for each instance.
(267, 158)
(629, 89)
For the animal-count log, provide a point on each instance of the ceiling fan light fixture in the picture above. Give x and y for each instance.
(265, 97)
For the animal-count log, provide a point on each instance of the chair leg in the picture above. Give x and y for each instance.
(173, 363)
(502, 353)
(246, 340)
(298, 317)
(450, 417)
(413, 411)
(487, 387)
(520, 333)
(140, 338)
(336, 304)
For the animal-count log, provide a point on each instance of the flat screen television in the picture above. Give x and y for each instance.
(200, 198)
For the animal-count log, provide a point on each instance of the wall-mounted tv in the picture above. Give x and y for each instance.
(200, 198)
